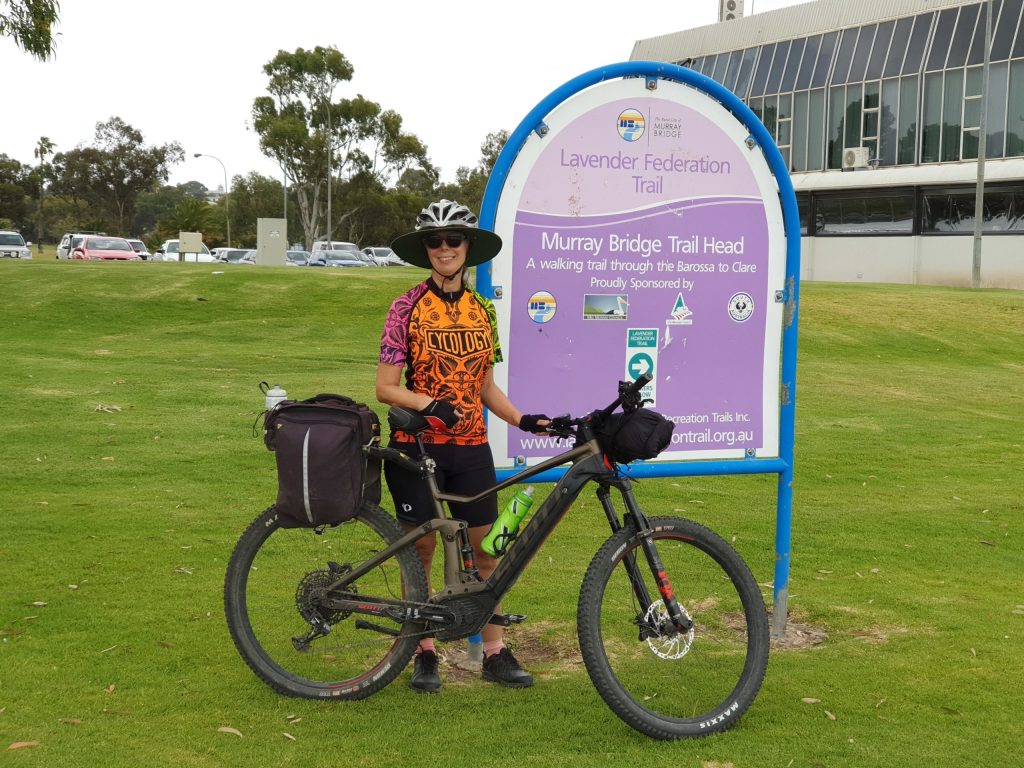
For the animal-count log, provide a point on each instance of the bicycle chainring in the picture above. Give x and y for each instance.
(471, 612)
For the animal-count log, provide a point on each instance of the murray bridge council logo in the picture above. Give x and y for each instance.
(631, 124)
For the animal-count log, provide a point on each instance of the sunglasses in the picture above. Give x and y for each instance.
(453, 239)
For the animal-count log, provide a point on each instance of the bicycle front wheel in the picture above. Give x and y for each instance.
(667, 684)
(276, 580)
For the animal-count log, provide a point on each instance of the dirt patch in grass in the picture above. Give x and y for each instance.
(799, 636)
(542, 647)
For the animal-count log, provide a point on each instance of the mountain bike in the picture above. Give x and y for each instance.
(672, 626)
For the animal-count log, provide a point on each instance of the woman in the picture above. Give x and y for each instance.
(445, 337)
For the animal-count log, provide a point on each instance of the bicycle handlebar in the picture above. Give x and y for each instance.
(629, 398)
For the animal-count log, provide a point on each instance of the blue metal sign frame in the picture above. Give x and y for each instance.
(789, 294)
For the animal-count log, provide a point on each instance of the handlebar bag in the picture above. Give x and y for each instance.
(641, 434)
(323, 474)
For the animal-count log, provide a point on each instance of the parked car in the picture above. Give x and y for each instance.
(333, 245)
(336, 259)
(249, 257)
(384, 257)
(140, 248)
(169, 252)
(13, 245)
(229, 255)
(296, 258)
(97, 248)
(70, 240)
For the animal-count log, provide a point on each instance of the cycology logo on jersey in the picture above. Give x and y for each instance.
(458, 342)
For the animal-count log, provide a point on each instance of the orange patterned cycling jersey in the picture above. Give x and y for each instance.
(447, 343)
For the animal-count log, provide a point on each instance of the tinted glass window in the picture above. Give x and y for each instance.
(1002, 211)
(962, 36)
(796, 52)
(1018, 46)
(764, 63)
(1006, 28)
(836, 104)
(746, 68)
(803, 80)
(940, 41)
(720, 66)
(799, 162)
(931, 118)
(1015, 111)
(857, 214)
(915, 47)
(996, 118)
(906, 152)
(708, 65)
(878, 51)
(951, 112)
(733, 71)
(894, 61)
(977, 54)
(816, 130)
(861, 53)
(844, 55)
(778, 66)
(828, 47)
(887, 122)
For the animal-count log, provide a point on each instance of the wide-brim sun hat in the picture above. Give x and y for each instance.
(447, 216)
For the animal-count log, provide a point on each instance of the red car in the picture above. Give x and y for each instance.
(105, 249)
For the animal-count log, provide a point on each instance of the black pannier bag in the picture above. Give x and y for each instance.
(323, 474)
(641, 434)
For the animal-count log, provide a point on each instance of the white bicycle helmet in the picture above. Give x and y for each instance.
(448, 216)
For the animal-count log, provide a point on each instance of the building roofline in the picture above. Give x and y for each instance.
(782, 24)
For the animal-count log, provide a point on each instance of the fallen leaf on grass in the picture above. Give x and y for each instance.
(107, 650)
(229, 729)
(809, 700)
(110, 688)
(1019, 610)
(288, 736)
(107, 408)
(716, 764)
(72, 586)
(108, 458)
(104, 352)
(986, 543)
(22, 744)
(70, 721)
(829, 715)
(292, 719)
(182, 569)
(822, 570)
(39, 603)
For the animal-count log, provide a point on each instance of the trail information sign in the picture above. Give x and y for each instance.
(643, 232)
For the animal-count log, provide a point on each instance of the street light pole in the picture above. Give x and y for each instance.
(227, 192)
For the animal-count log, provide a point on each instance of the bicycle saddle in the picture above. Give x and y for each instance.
(407, 421)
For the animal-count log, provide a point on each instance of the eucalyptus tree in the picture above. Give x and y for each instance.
(30, 23)
(111, 174)
(320, 142)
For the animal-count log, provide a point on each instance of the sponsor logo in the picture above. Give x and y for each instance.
(458, 342)
(631, 124)
(541, 307)
(741, 307)
(681, 314)
(605, 306)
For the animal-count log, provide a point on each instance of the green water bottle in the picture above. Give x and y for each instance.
(503, 532)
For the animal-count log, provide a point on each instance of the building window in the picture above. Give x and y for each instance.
(1015, 111)
(863, 213)
(952, 211)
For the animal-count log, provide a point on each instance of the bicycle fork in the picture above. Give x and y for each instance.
(679, 622)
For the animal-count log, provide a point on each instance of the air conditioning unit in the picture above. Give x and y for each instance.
(730, 9)
(855, 157)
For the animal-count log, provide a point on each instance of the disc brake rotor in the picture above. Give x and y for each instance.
(665, 646)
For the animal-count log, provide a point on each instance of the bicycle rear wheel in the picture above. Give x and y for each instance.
(274, 581)
(683, 685)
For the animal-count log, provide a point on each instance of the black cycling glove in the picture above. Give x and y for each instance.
(528, 422)
(441, 414)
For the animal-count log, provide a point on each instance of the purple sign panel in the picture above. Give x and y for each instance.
(641, 243)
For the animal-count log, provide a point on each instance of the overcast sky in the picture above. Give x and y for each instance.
(188, 70)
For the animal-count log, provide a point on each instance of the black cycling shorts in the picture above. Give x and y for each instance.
(461, 469)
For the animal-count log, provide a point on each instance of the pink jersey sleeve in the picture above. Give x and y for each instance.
(394, 340)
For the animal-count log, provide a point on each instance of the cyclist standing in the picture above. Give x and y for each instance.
(445, 337)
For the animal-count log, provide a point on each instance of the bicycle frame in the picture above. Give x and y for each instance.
(460, 575)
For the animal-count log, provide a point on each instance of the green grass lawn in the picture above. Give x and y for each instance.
(129, 467)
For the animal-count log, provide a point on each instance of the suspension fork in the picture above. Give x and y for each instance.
(680, 621)
(604, 495)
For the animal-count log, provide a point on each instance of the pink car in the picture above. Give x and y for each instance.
(105, 249)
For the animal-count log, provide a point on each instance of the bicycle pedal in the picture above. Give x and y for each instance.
(507, 619)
